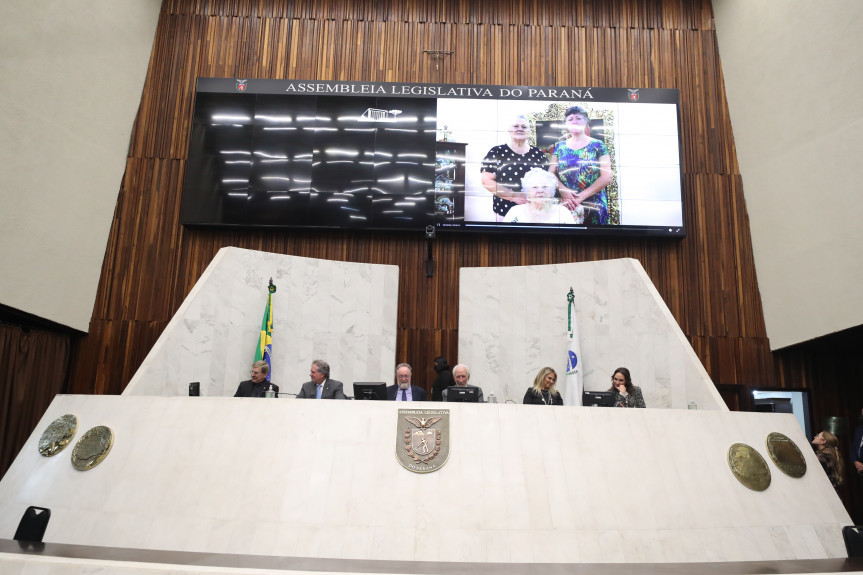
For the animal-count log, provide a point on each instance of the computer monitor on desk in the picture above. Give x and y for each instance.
(598, 399)
(462, 394)
(370, 390)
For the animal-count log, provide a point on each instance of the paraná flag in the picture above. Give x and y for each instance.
(574, 388)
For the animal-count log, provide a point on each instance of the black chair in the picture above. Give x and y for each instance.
(32, 526)
(853, 536)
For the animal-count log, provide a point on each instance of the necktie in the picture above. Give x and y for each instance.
(319, 391)
(404, 395)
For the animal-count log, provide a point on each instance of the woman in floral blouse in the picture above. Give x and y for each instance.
(583, 166)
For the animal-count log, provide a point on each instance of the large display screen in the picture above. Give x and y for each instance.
(389, 156)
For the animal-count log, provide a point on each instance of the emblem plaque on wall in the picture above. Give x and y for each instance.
(92, 448)
(786, 455)
(58, 435)
(748, 467)
(422, 439)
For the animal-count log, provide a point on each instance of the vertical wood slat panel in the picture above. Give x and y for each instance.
(707, 279)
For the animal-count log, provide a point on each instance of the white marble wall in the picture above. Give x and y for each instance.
(343, 313)
(513, 321)
(304, 478)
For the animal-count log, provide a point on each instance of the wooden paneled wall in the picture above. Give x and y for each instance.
(708, 279)
(151, 263)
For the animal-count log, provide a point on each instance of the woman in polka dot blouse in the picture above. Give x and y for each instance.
(504, 166)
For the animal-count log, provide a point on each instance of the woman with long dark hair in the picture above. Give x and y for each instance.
(625, 394)
(444, 378)
(827, 452)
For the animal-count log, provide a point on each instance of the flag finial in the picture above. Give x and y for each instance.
(272, 287)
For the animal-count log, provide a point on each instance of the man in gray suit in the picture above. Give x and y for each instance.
(321, 386)
(461, 375)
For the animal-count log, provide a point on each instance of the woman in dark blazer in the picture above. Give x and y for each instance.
(625, 394)
(544, 391)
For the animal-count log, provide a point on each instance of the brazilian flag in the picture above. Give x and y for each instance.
(265, 341)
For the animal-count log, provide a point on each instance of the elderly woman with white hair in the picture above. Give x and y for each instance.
(542, 207)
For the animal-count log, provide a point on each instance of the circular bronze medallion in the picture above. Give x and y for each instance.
(92, 448)
(748, 467)
(786, 455)
(58, 435)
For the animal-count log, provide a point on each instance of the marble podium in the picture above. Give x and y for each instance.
(212, 484)
(289, 477)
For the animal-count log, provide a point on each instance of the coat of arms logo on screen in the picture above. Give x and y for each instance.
(422, 439)
(633, 95)
(242, 85)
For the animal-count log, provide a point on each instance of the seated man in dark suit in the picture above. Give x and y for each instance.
(461, 375)
(256, 386)
(402, 390)
(321, 386)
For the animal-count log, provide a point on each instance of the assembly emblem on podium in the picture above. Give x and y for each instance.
(422, 439)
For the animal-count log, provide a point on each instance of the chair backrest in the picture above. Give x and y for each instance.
(853, 536)
(33, 523)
